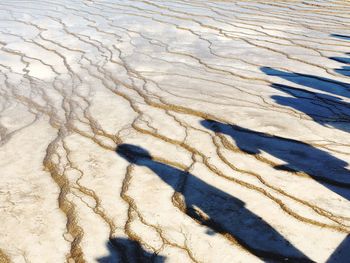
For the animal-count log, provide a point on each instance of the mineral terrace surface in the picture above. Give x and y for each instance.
(174, 131)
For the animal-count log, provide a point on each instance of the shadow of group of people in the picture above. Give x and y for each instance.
(228, 215)
(225, 214)
(327, 108)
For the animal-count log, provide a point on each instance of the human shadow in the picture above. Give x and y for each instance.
(315, 82)
(325, 109)
(328, 170)
(341, 36)
(342, 253)
(219, 211)
(127, 250)
(344, 70)
(341, 59)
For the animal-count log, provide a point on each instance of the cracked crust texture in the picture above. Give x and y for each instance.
(174, 131)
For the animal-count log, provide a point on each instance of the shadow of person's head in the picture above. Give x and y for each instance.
(132, 153)
(211, 125)
(128, 250)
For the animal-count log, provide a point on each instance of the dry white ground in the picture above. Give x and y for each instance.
(174, 131)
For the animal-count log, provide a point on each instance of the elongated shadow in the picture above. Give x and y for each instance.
(328, 170)
(344, 70)
(341, 60)
(341, 36)
(219, 211)
(315, 82)
(127, 250)
(325, 109)
(342, 253)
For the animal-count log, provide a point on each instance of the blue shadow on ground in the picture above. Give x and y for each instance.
(225, 214)
(128, 250)
(324, 108)
(326, 169)
(342, 253)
